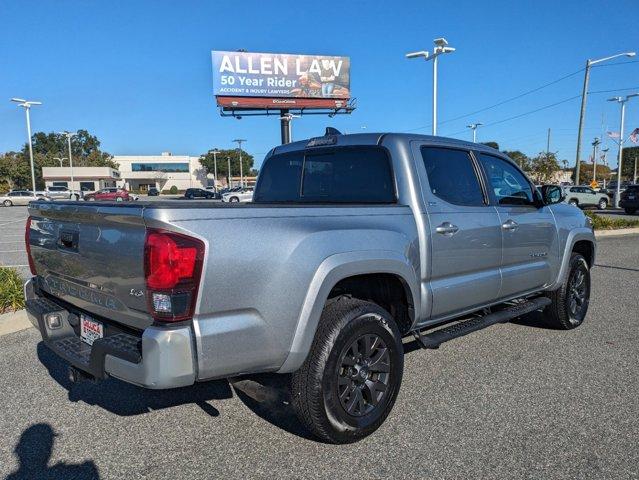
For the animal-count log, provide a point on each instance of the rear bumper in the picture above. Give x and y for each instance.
(162, 357)
(625, 203)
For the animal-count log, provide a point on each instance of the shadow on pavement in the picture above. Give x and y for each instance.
(126, 399)
(34, 452)
(617, 268)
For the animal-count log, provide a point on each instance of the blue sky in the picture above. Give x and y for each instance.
(138, 73)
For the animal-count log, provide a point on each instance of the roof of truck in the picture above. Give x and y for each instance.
(376, 138)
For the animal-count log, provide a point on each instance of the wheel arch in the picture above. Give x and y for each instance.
(582, 241)
(351, 273)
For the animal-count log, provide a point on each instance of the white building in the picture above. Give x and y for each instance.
(140, 172)
(135, 172)
(86, 179)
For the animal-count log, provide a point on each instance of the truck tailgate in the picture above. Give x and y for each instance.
(91, 256)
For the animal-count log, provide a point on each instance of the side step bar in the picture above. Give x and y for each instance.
(436, 338)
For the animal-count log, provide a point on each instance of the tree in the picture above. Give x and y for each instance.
(519, 158)
(543, 167)
(494, 145)
(206, 160)
(630, 154)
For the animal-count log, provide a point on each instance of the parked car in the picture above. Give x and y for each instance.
(242, 195)
(20, 197)
(581, 196)
(153, 192)
(56, 192)
(351, 243)
(109, 194)
(192, 193)
(629, 199)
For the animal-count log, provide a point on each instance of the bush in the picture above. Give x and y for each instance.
(607, 223)
(173, 190)
(11, 294)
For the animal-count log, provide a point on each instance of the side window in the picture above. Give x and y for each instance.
(452, 176)
(508, 184)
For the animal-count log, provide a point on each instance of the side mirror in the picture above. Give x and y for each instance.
(552, 194)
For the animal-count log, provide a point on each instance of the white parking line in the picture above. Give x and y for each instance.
(11, 251)
(13, 266)
(13, 221)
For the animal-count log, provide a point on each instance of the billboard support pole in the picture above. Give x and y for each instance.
(285, 126)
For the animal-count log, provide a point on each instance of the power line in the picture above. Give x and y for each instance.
(516, 97)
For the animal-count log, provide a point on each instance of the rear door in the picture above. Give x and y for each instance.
(528, 231)
(464, 232)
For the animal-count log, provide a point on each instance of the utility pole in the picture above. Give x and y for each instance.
(239, 143)
(441, 46)
(215, 152)
(27, 104)
(228, 159)
(595, 145)
(584, 97)
(548, 144)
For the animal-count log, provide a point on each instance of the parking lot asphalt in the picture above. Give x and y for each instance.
(518, 400)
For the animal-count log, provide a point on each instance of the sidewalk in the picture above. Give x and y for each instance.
(14, 322)
(616, 232)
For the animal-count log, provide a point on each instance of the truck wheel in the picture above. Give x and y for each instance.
(603, 204)
(349, 382)
(570, 301)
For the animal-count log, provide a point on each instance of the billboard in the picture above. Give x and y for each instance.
(257, 80)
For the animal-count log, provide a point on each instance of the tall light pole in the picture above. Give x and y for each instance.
(473, 127)
(287, 126)
(69, 135)
(595, 144)
(228, 160)
(622, 101)
(239, 146)
(60, 159)
(441, 46)
(26, 104)
(584, 97)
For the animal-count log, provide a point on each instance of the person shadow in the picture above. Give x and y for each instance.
(34, 452)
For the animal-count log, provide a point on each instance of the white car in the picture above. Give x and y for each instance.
(20, 197)
(245, 195)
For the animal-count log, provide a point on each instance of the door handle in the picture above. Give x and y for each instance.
(447, 228)
(510, 225)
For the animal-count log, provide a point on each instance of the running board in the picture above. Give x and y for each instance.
(436, 338)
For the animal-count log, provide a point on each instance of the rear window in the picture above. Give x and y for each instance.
(339, 175)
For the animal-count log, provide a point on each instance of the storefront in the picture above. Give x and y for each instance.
(85, 179)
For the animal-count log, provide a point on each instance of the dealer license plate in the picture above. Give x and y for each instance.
(90, 330)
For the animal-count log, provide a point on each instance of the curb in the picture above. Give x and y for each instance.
(14, 322)
(617, 232)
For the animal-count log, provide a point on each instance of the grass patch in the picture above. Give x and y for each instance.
(11, 294)
(607, 223)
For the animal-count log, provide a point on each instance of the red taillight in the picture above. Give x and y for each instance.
(27, 238)
(173, 265)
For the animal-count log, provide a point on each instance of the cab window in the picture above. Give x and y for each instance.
(508, 184)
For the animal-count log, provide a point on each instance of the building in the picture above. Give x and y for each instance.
(140, 172)
(86, 179)
(135, 173)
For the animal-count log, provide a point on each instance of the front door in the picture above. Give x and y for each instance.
(465, 234)
(529, 236)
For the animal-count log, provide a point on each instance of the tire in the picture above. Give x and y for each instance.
(7, 203)
(91, 199)
(560, 313)
(573, 202)
(118, 199)
(234, 199)
(603, 204)
(332, 393)
(630, 211)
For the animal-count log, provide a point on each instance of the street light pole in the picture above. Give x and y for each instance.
(473, 127)
(69, 135)
(239, 143)
(441, 46)
(60, 159)
(228, 159)
(584, 97)
(622, 101)
(215, 152)
(26, 104)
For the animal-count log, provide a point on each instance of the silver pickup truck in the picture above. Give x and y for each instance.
(351, 243)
